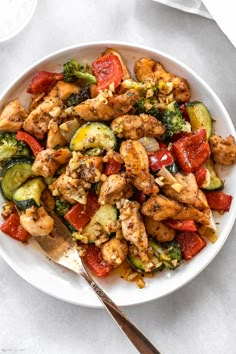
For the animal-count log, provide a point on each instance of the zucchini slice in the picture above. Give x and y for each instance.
(215, 181)
(14, 175)
(103, 217)
(93, 135)
(153, 265)
(199, 117)
(29, 193)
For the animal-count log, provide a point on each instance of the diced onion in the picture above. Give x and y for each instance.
(159, 182)
(150, 144)
(210, 231)
(168, 177)
(69, 128)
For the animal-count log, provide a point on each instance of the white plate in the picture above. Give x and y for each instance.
(32, 265)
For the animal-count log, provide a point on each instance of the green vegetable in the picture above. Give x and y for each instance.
(101, 220)
(61, 207)
(148, 106)
(17, 171)
(173, 120)
(73, 71)
(77, 98)
(93, 135)
(215, 181)
(165, 255)
(199, 117)
(10, 146)
(29, 193)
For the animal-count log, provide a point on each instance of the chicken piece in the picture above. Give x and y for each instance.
(135, 127)
(12, 117)
(133, 228)
(126, 73)
(114, 251)
(159, 230)
(88, 168)
(105, 109)
(49, 160)
(161, 208)
(114, 189)
(61, 156)
(37, 121)
(191, 213)
(149, 70)
(137, 166)
(37, 221)
(44, 165)
(223, 150)
(54, 137)
(190, 193)
(65, 89)
(70, 189)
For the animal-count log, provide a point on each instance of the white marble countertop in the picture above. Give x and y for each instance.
(197, 319)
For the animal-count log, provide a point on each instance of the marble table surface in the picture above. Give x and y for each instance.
(197, 319)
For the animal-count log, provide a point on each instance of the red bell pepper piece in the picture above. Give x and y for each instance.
(200, 176)
(43, 81)
(190, 243)
(94, 261)
(192, 151)
(79, 215)
(12, 227)
(107, 70)
(29, 140)
(160, 158)
(181, 225)
(112, 167)
(219, 200)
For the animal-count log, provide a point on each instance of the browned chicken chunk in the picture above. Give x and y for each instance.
(49, 160)
(70, 189)
(150, 70)
(223, 150)
(114, 189)
(159, 230)
(190, 193)
(37, 221)
(135, 127)
(114, 251)
(12, 117)
(37, 121)
(105, 109)
(133, 228)
(161, 208)
(88, 168)
(137, 166)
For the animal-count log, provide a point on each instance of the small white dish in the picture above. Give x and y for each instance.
(192, 6)
(29, 261)
(15, 15)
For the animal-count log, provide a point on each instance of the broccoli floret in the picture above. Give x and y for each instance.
(73, 71)
(169, 253)
(147, 106)
(10, 146)
(61, 207)
(173, 120)
(77, 98)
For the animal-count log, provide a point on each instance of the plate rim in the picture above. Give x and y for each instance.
(231, 221)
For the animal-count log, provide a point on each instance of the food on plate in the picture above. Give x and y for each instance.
(128, 163)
